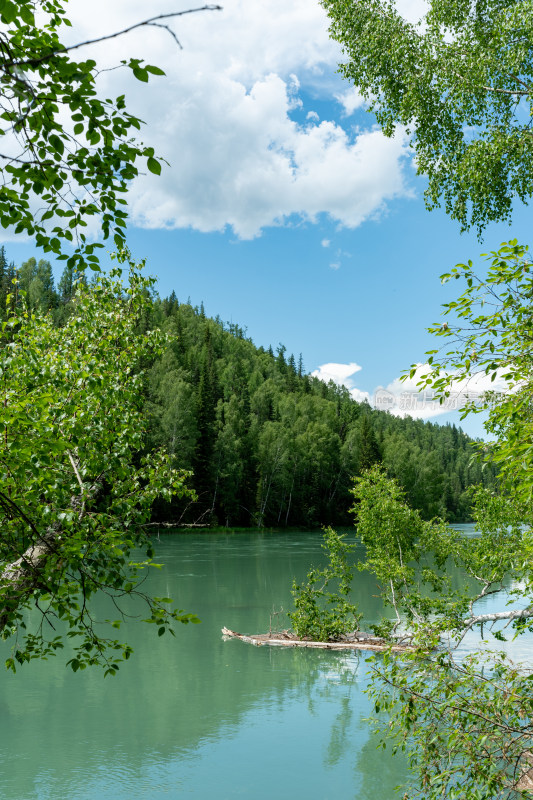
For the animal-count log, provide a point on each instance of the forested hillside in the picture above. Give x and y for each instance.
(268, 445)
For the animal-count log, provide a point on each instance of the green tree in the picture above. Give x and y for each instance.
(465, 721)
(460, 83)
(321, 615)
(396, 540)
(491, 341)
(63, 144)
(75, 486)
(369, 453)
(4, 290)
(37, 281)
(206, 415)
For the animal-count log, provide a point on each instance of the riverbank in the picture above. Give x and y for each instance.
(162, 528)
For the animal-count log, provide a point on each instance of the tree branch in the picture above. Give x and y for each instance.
(515, 92)
(33, 62)
(80, 482)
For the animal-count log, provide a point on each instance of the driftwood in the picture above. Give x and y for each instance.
(176, 525)
(288, 639)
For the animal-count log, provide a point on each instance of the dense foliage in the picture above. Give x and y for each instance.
(68, 153)
(272, 446)
(458, 82)
(76, 482)
(269, 445)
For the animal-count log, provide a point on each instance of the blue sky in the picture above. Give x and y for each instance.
(284, 209)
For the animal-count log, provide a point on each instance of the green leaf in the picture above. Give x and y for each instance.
(8, 11)
(141, 74)
(154, 166)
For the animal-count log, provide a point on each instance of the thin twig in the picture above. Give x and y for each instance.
(33, 62)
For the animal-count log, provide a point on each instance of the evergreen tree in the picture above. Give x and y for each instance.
(369, 453)
(269, 446)
(205, 414)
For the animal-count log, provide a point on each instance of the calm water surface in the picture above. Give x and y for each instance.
(197, 716)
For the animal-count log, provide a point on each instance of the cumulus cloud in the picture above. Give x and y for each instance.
(405, 398)
(338, 373)
(222, 118)
(342, 375)
(325, 242)
(351, 100)
(252, 166)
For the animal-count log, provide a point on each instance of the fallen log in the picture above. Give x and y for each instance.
(286, 639)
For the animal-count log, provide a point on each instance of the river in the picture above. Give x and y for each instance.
(196, 716)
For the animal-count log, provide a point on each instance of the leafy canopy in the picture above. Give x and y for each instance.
(460, 83)
(490, 339)
(76, 487)
(66, 154)
(465, 721)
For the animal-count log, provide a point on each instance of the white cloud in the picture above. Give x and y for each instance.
(359, 395)
(335, 265)
(325, 242)
(412, 10)
(341, 374)
(312, 116)
(222, 118)
(252, 166)
(405, 398)
(351, 100)
(338, 373)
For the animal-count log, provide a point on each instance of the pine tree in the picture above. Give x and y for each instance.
(291, 373)
(66, 285)
(369, 453)
(206, 416)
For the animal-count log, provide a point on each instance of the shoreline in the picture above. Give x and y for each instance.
(157, 529)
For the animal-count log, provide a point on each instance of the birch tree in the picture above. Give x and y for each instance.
(458, 82)
(76, 485)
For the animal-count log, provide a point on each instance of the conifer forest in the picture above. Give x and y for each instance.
(267, 444)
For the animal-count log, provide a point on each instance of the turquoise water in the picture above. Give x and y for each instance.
(196, 716)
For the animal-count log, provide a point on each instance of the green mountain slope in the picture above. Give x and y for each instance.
(271, 446)
(267, 444)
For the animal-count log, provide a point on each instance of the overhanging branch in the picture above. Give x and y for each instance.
(154, 21)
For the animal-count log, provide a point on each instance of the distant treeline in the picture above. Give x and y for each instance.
(33, 284)
(269, 445)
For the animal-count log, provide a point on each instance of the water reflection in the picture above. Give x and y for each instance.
(196, 715)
